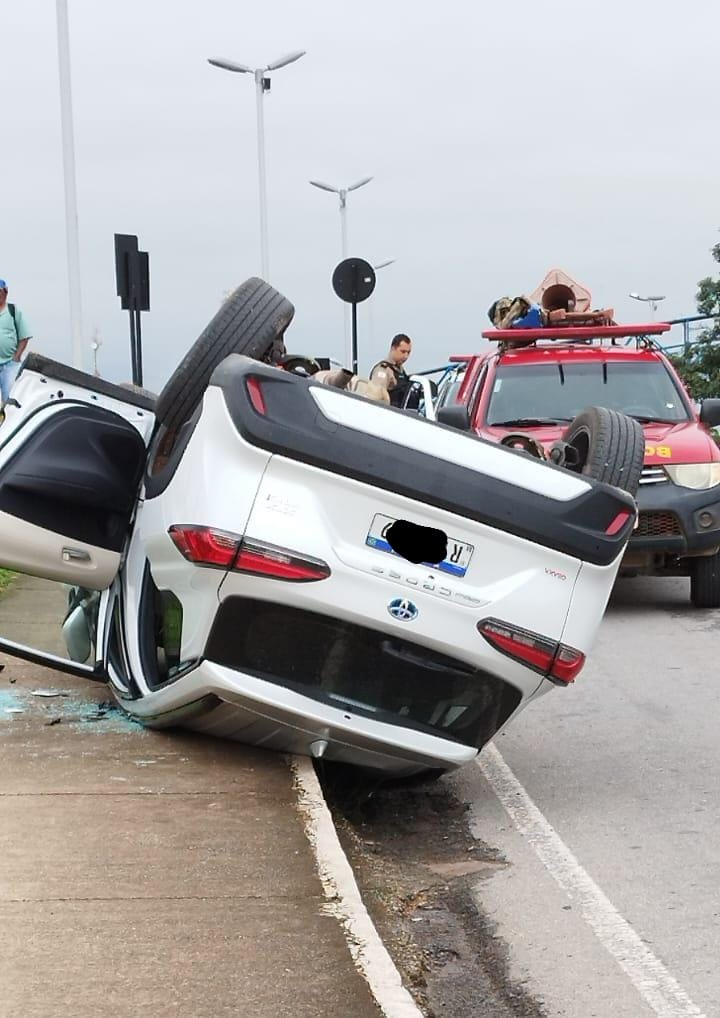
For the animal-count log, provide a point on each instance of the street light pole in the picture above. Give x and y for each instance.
(262, 178)
(342, 193)
(262, 84)
(71, 215)
(343, 223)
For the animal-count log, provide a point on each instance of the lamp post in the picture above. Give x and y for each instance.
(262, 83)
(342, 193)
(71, 215)
(652, 301)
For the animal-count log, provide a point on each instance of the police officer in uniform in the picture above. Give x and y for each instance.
(391, 373)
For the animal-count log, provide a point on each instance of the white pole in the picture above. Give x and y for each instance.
(344, 251)
(343, 225)
(264, 254)
(71, 216)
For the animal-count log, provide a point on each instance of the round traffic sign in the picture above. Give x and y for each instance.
(353, 280)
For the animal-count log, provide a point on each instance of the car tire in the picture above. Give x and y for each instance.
(705, 581)
(610, 447)
(252, 321)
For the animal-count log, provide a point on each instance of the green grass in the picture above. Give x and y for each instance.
(6, 578)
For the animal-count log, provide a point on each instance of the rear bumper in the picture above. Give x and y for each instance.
(223, 702)
(675, 521)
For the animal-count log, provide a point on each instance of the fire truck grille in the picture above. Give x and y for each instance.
(658, 524)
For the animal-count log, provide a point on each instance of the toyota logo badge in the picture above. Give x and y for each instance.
(403, 610)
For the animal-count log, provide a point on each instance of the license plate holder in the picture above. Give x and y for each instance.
(455, 564)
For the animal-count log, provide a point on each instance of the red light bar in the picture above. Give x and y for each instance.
(576, 332)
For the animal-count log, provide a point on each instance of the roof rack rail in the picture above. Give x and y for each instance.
(577, 333)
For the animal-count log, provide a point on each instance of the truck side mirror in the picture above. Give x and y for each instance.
(457, 416)
(710, 412)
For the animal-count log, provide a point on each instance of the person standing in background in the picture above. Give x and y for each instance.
(391, 372)
(14, 338)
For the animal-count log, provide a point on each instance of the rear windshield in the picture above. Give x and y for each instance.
(556, 391)
(361, 671)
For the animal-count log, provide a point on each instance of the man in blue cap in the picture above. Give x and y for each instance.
(14, 337)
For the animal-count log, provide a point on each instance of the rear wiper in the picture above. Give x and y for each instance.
(529, 422)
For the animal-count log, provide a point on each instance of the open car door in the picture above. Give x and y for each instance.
(72, 454)
(420, 397)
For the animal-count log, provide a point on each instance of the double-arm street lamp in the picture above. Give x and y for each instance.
(651, 301)
(262, 83)
(342, 193)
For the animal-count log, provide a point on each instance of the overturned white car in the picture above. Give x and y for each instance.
(296, 567)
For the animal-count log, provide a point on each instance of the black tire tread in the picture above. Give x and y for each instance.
(251, 321)
(616, 450)
(705, 581)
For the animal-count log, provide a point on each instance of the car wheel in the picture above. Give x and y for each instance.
(705, 581)
(252, 321)
(610, 447)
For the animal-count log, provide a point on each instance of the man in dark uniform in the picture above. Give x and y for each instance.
(391, 372)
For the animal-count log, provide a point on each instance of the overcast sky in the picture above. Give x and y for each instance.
(504, 139)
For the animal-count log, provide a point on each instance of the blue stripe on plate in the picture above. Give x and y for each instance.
(443, 567)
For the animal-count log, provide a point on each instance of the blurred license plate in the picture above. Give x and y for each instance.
(459, 553)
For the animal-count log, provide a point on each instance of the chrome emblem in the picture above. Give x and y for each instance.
(403, 610)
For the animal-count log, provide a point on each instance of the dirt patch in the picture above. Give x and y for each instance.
(414, 859)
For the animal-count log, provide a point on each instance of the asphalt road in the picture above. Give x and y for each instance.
(610, 896)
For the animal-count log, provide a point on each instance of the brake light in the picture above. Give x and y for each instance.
(205, 546)
(219, 549)
(254, 391)
(558, 663)
(278, 563)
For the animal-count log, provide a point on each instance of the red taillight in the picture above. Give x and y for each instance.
(254, 391)
(619, 522)
(533, 650)
(278, 563)
(567, 665)
(558, 663)
(222, 550)
(205, 546)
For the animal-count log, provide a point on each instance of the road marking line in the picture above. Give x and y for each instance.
(368, 952)
(647, 973)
